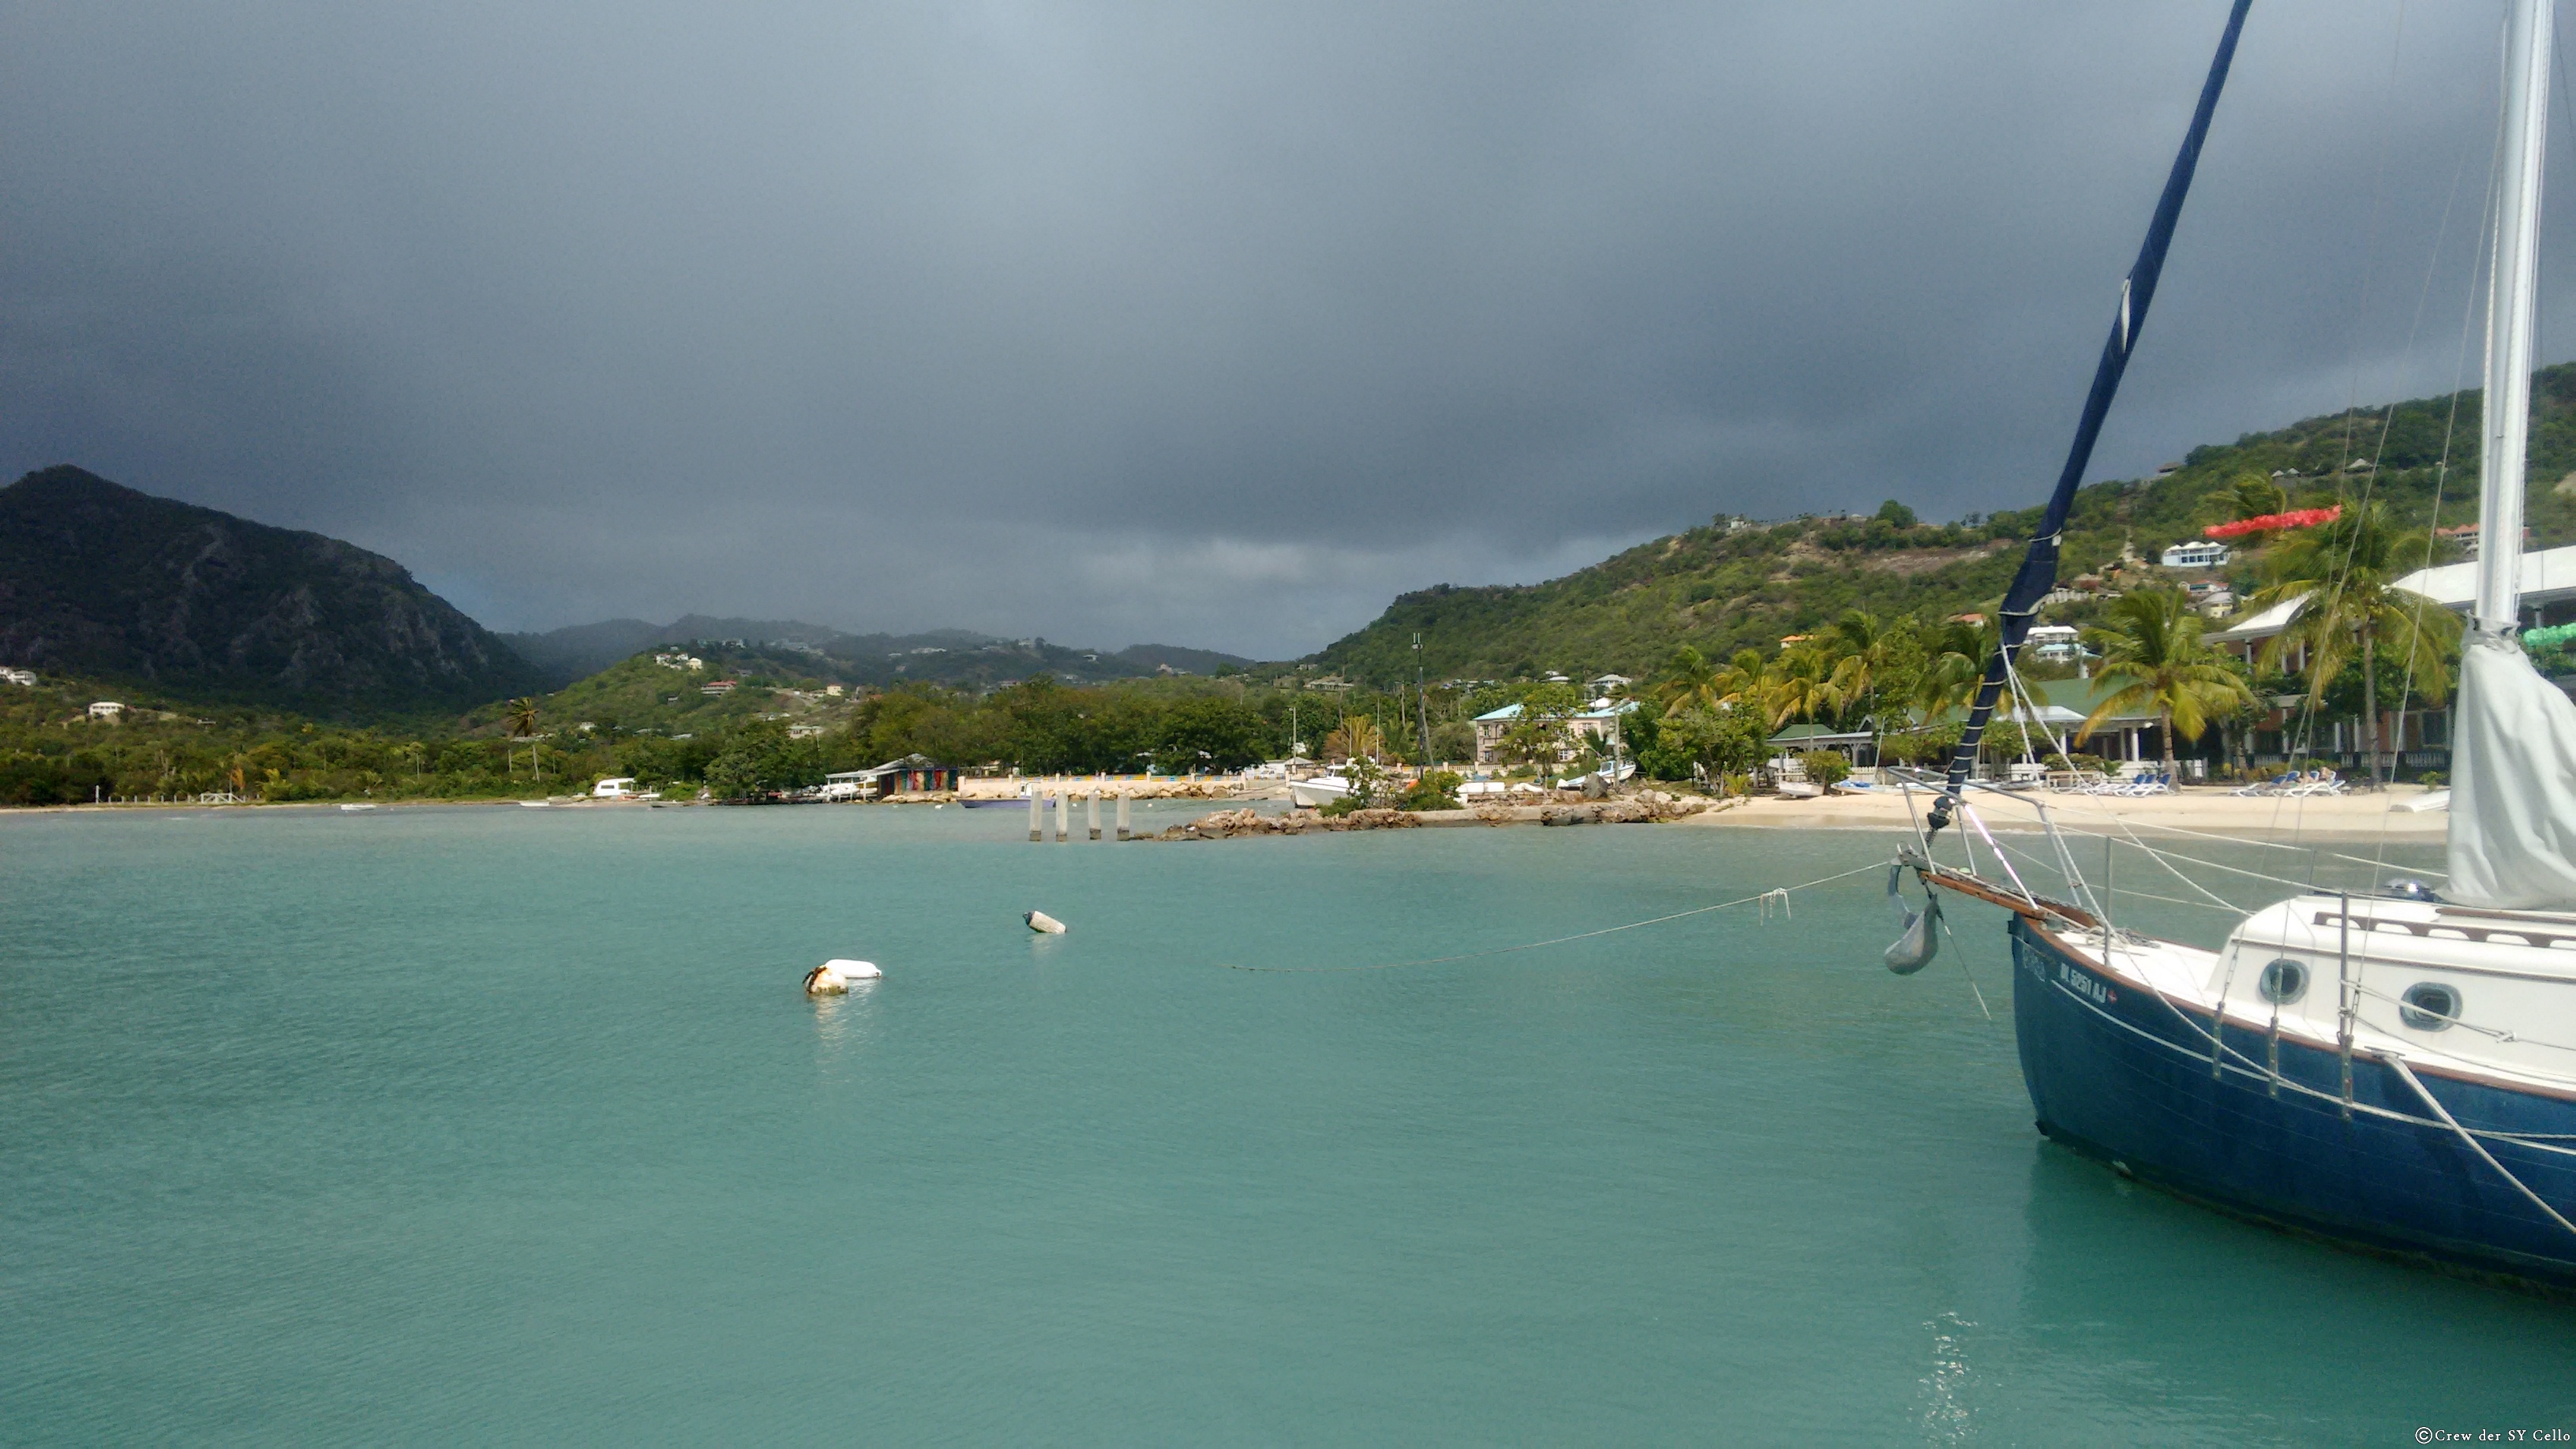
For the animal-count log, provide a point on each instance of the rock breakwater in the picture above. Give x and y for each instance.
(1644, 808)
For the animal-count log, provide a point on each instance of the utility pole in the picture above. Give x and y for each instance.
(1421, 701)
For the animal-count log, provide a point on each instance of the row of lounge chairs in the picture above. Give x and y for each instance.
(2294, 784)
(2086, 782)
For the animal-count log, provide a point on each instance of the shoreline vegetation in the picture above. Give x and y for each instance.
(1844, 626)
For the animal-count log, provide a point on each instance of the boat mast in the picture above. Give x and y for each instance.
(2038, 572)
(2512, 284)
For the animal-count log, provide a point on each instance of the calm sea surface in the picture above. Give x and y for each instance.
(504, 1124)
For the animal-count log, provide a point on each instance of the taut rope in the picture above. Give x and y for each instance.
(1777, 893)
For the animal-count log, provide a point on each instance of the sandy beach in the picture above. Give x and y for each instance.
(2212, 810)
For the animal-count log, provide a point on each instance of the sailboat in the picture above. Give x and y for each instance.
(2393, 1070)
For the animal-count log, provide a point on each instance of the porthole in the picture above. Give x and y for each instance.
(2429, 1006)
(2285, 981)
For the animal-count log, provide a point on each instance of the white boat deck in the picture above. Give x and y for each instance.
(2503, 970)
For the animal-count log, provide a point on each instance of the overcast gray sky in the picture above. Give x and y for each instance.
(1201, 324)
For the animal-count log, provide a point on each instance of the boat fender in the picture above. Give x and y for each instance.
(833, 977)
(1918, 937)
(1043, 923)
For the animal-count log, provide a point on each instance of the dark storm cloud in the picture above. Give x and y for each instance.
(1208, 324)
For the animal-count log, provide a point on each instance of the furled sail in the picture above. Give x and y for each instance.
(2513, 733)
(2513, 782)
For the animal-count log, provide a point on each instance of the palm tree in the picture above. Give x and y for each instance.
(1802, 686)
(1867, 654)
(1688, 682)
(1957, 663)
(2347, 571)
(2249, 495)
(1357, 739)
(519, 716)
(1744, 680)
(2154, 649)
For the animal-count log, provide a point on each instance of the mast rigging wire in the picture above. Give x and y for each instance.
(1775, 893)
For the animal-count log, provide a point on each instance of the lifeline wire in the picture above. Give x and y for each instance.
(1773, 893)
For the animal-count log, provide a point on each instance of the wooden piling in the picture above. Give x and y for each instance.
(1122, 814)
(1095, 812)
(1037, 816)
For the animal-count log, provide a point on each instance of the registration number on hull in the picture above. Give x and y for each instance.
(2085, 986)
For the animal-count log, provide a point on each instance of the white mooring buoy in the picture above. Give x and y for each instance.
(833, 977)
(1043, 923)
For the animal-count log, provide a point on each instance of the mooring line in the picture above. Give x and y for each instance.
(1774, 893)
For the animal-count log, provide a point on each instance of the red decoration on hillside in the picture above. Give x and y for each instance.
(2269, 522)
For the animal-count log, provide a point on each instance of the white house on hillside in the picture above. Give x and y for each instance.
(1599, 720)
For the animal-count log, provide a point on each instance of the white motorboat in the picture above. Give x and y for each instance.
(1321, 790)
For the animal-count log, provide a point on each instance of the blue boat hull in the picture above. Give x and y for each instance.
(2123, 1075)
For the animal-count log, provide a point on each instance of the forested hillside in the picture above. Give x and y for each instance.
(943, 656)
(102, 581)
(1736, 583)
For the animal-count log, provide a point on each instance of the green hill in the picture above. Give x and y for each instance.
(1735, 583)
(138, 592)
(943, 656)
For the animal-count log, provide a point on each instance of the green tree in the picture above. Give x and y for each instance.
(1213, 731)
(519, 717)
(2347, 573)
(2153, 648)
(2248, 495)
(1356, 738)
(1802, 687)
(1436, 790)
(1874, 659)
(1689, 681)
(1954, 664)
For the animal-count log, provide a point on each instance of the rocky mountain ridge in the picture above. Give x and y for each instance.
(103, 581)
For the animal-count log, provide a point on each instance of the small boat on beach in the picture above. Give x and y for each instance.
(1321, 790)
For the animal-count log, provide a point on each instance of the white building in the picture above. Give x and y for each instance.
(26, 677)
(2548, 577)
(2199, 553)
(107, 709)
(1600, 721)
(2055, 643)
(620, 788)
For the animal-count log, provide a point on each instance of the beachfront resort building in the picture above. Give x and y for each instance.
(911, 775)
(1598, 721)
(2417, 734)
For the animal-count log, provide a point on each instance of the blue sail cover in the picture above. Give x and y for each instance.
(2038, 572)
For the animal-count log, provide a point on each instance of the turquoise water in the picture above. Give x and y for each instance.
(500, 1124)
